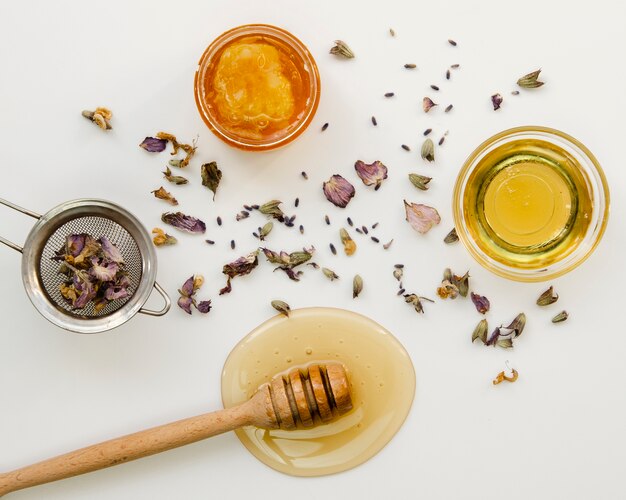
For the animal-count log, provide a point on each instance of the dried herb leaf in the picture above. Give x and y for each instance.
(420, 181)
(372, 174)
(496, 100)
(530, 81)
(174, 179)
(428, 104)
(162, 194)
(357, 286)
(272, 209)
(349, 246)
(562, 316)
(481, 302)
(421, 217)
(281, 307)
(161, 238)
(184, 222)
(480, 332)
(341, 49)
(451, 237)
(338, 191)
(428, 150)
(211, 176)
(548, 297)
(153, 144)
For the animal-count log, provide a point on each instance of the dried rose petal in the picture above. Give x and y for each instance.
(338, 191)
(427, 104)
(103, 270)
(204, 306)
(115, 292)
(74, 244)
(187, 290)
(481, 302)
(496, 100)
(185, 303)
(372, 174)
(421, 217)
(153, 145)
(184, 222)
(110, 251)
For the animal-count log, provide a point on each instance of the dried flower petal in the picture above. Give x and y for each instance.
(100, 117)
(448, 290)
(420, 181)
(548, 297)
(189, 149)
(184, 222)
(481, 302)
(530, 81)
(240, 267)
(203, 306)
(427, 104)
(451, 237)
(501, 377)
(161, 238)
(493, 338)
(110, 251)
(174, 179)
(211, 176)
(421, 217)
(281, 307)
(562, 316)
(428, 150)
(330, 274)
(341, 49)
(338, 191)
(153, 145)
(272, 209)
(372, 174)
(357, 286)
(185, 303)
(162, 194)
(480, 332)
(496, 100)
(349, 245)
(388, 244)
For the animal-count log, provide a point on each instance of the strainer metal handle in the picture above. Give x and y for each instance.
(166, 299)
(30, 213)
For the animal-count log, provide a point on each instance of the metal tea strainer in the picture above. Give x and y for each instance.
(97, 218)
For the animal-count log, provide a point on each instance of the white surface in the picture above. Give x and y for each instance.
(558, 432)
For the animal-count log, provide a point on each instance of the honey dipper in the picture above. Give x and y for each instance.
(298, 399)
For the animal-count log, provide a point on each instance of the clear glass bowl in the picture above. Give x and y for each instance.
(595, 185)
(302, 73)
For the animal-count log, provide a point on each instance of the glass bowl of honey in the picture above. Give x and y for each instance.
(257, 87)
(531, 203)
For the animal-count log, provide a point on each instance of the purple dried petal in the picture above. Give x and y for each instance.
(293, 275)
(493, 338)
(74, 244)
(103, 270)
(421, 217)
(496, 100)
(371, 174)
(187, 290)
(153, 145)
(204, 306)
(110, 251)
(242, 266)
(184, 222)
(86, 290)
(338, 191)
(427, 104)
(481, 302)
(115, 292)
(185, 304)
(90, 248)
(227, 289)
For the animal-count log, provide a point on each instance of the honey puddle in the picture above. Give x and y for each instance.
(381, 376)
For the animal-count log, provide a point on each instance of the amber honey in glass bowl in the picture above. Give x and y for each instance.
(257, 87)
(531, 203)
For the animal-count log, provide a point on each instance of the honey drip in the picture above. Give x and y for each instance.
(381, 376)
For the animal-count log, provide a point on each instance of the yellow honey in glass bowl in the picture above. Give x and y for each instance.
(257, 87)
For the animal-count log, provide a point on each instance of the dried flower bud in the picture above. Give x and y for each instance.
(448, 290)
(153, 145)
(562, 316)
(272, 209)
(338, 191)
(162, 194)
(427, 104)
(357, 286)
(349, 246)
(517, 325)
(420, 181)
(161, 238)
(184, 222)
(548, 297)
(451, 237)
(371, 174)
(341, 49)
(481, 302)
(496, 100)
(211, 176)
(530, 81)
(174, 179)
(281, 307)
(480, 332)
(421, 217)
(265, 230)
(330, 274)
(398, 272)
(415, 301)
(428, 150)
(187, 295)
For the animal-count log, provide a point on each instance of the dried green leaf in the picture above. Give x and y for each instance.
(357, 286)
(428, 150)
(480, 332)
(420, 181)
(562, 316)
(211, 176)
(281, 307)
(341, 49)
(530, 81)
(548, 297)
(330, 274)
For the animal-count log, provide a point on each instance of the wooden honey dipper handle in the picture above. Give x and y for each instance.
(268, 408)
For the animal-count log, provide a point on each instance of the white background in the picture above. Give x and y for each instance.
(559, 432)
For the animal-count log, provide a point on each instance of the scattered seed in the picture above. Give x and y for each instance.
(388, 244)
(304, 174)
(210, 242)
(358, 230)
(455, 66)
(515, 92)
(357, 286)
(325, 126)
(375, 225)
(392, 32)
(374, 122)
(327, 220)
(248, 208)
(255, 207)
(448, 108)
(562, 316)
(399, 266)
(447, 74)
(452, 42)
(441, 140)
(389, 94)
(349, 220)
(428, 131)
(410, 66)
(401, 291)
(255, 235)
(219, 220)
(301, 229)
(333, 249)
(314, 265)
(405, 147)
(434, 87)
(364, 229)
(232, 244)
(297, 202)
(375, 239)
